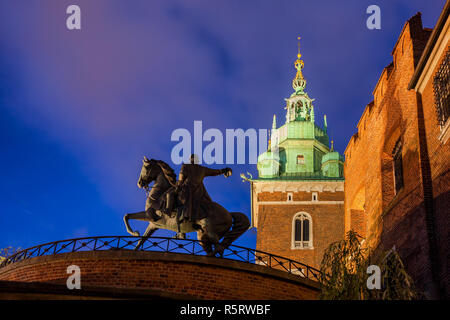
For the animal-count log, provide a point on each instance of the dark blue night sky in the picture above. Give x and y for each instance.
(79, 109)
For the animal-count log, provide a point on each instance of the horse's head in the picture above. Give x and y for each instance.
(148, 172)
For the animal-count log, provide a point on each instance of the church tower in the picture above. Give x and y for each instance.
(298, 197)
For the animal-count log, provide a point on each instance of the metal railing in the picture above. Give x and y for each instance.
(163, 244)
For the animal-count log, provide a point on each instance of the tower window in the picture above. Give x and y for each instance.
(441, 88)
(398, 167)
(302, 231)
(289, 197)
(300, 159)
(314, 196)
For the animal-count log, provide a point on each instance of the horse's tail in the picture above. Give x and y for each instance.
(239, 226)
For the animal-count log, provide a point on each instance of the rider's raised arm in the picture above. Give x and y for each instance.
(207, 172)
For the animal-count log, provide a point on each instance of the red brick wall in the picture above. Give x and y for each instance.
(275, 229)
(358, 222)
(390, 218)
(199, 277)
(439, 163)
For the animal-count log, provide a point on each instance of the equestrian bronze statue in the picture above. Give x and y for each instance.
(184, 206)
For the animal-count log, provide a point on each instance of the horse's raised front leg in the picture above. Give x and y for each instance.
(134, 216)
(148, 232)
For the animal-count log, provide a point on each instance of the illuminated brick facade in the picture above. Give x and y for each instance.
(397, 179)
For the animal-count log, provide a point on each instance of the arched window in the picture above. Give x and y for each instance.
(302, 231)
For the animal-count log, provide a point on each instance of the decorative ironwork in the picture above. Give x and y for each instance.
(441, 88)
(163, 244)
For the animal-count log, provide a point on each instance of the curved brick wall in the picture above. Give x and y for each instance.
(176, 275)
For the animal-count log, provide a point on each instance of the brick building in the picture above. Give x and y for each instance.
(298, 197)
(397, 164)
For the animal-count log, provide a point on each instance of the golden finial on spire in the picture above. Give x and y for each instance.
(332, 145)
(298, 63)
(299, 82)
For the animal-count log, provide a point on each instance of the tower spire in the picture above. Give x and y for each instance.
(299, 83)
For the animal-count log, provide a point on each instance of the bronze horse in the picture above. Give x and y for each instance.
(218, 224)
